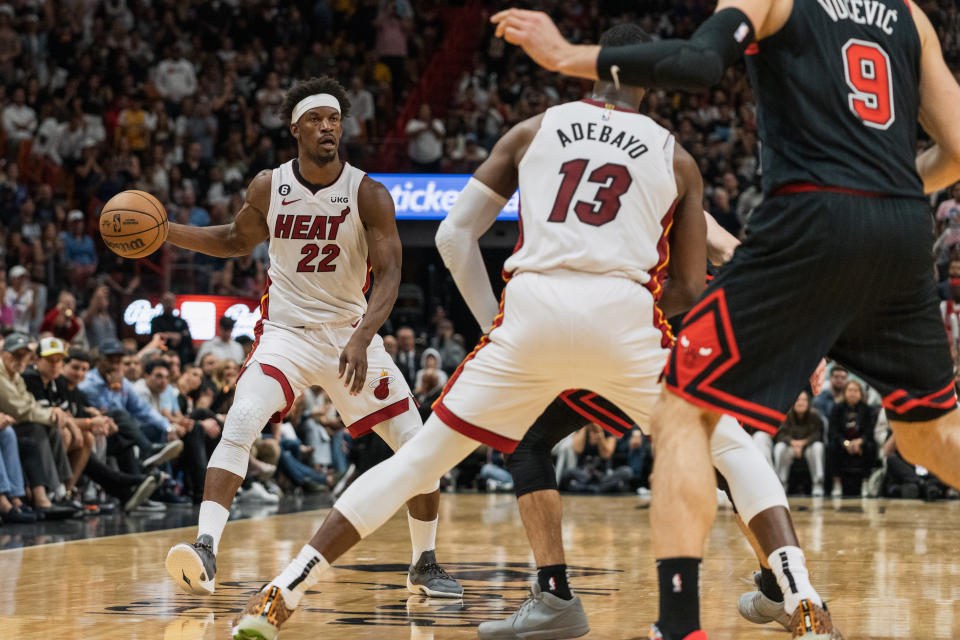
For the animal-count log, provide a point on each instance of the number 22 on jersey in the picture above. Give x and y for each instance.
(867, 69)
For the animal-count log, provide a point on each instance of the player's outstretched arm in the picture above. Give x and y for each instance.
(671, 64)
(378, 214)
(474, 213)
(688, 239)
(939, 166)
(238, 238)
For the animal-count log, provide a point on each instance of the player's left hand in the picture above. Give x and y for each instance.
(535, 32)
(353, 364)
(816, 380)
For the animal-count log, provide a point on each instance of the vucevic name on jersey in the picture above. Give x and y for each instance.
(596, 194)
(837, 97)
(318, 251)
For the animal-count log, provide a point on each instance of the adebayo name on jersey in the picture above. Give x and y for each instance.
(578, 131)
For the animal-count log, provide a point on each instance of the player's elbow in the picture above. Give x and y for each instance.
(445, 239)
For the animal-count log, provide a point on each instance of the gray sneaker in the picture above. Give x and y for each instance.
(193, 566)
(543, 616)
(759, 609)
(429, 579)
(142, 493)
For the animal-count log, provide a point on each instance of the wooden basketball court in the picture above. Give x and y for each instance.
(890, 569)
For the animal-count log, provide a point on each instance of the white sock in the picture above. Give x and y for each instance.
(301, 574)
(213, 518)
(790, 568)
(423, 536)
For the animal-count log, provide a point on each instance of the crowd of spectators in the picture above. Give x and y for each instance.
(180, 100)
(841, 440)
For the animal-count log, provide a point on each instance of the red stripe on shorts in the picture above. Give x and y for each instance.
(458, 424)
(366, 424)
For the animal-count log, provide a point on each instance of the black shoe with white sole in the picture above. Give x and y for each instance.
(193, 566)
(428, 578)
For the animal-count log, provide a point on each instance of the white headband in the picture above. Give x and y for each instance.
(316, 100)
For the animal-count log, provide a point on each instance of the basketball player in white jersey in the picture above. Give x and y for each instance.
(601, 189)
(328, 225)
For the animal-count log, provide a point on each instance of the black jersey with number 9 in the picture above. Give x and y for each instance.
(837, 97)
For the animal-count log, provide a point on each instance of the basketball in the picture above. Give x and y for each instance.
(133, 224)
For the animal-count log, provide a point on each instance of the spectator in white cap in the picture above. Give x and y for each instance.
(21, 296)
(79, 253)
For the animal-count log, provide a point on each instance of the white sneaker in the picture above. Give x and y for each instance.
(258, 493)
(818, 491)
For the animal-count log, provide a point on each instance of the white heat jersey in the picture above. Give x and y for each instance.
(318, 251)
(597, 192)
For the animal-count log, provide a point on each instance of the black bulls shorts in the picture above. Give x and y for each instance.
(820, 273)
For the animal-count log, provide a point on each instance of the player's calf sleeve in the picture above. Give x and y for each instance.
(412, 470)
(257, 398)
(752, 481)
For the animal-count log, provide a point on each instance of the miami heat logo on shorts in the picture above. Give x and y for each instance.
(381, 385)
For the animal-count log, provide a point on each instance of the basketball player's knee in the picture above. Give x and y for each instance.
(675, 418)
(246, 418)
(531, 467)
(398, 430)
(231, 456)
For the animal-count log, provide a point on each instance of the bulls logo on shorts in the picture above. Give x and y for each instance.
(381, 385)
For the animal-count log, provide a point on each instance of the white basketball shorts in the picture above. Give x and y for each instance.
(556, 332)
(301, 357)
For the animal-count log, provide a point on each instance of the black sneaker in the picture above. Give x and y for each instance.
(429, 579)
(193, 566)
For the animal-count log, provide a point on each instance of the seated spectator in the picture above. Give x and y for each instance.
(22, 297)
(45, 463)
(8, 312)
(451, 352)
(132, 366)
(109, 391)
(79, 254)
(323, 430)
(801, 435)
(62, 321)
(407, 357)
(12, 491)
(222, 345)
(430, 361)
(19, 120)
(98, 322)
(174, 328)
(204, 435)
(426, 141)
(851, 447)
(594, 448)
(428, 391)
(947, 207)
(390, 346)
(832, 393)
(493, 474)
(225, 378)
(43, 382)
(242, 276)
